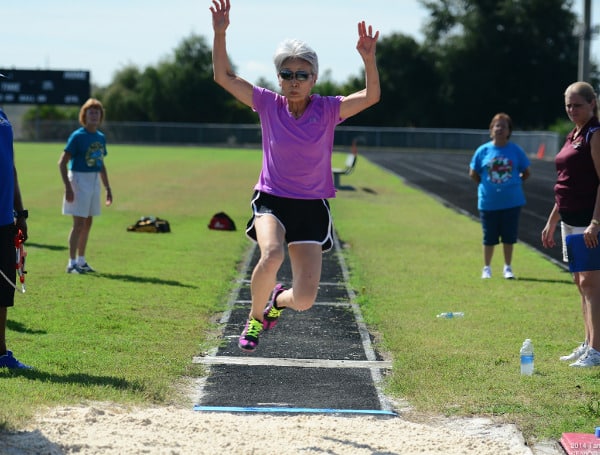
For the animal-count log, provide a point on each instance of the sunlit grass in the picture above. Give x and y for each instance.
(129, 332)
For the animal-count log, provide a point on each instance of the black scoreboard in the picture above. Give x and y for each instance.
(44, 87)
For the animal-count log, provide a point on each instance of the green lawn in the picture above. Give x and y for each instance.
(128, 333)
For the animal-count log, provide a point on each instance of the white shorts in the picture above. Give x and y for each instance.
(86, 190)
(567, 229)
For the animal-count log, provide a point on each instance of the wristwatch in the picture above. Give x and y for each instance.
(595, 222)
(21, 214)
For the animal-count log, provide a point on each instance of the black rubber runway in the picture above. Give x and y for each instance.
(319, 361)
(445, 175)
(322, 360)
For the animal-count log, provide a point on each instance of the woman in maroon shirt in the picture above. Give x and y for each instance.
(577, 207)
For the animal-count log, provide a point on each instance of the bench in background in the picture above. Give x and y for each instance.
(348, 168)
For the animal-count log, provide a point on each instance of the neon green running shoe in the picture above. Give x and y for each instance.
(272, 313)
(248, 341)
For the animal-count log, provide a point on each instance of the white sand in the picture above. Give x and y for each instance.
(105, 428)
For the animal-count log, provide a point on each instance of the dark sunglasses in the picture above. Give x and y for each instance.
(288, 75)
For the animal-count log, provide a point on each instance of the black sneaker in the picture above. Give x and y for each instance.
(75, 269)
(86, 267)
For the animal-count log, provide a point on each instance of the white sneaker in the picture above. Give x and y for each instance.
(486, 272)
(508, 273)
(577, 352)
(591, 358)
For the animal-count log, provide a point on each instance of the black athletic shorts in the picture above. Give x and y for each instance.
(7, 264)
(303, 220)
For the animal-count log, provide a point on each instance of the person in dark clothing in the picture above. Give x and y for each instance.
(12, 217)
(577, 207)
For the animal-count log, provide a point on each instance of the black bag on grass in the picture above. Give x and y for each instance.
(150, 224)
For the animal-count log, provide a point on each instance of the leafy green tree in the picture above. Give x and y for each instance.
(326, 86)
(32, 129)
(122, 100)
(51, 112)
(263, 82)
(515, 56)
(178, 89)
(409, 85)
(478, 57)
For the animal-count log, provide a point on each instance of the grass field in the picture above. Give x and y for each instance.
(128, 333)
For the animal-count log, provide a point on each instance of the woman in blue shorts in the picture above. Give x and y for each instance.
(290, 205)
(499, 168)
(577, 209)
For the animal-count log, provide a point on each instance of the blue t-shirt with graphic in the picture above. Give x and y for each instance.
(500, 170)
(87, 150)
(7, 180)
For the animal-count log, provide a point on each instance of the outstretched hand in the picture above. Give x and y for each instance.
(220, 15)
(366, 41)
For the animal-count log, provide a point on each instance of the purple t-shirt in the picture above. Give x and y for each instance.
(296, 152)
(577, 182)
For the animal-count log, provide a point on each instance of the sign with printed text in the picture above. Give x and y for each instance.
(44, 87)
(580, 444)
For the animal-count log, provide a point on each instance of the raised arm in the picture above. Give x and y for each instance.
(370, 95)
(223, 72)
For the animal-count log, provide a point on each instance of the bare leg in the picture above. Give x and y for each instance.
(84, 235)
(306, 260)
(488, 253)
(75, 234)
(589, 286)
(586, 319)
(270, 238)
(508, 252)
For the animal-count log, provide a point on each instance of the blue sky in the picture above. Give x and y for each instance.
(103, 37)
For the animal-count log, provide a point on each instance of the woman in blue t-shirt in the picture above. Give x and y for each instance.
(82, 169)
(499, 167)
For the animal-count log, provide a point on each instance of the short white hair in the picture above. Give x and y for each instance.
(293, 48)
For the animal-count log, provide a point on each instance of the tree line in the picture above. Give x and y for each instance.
(477, 58)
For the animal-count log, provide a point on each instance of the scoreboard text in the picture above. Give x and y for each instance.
(44, 87)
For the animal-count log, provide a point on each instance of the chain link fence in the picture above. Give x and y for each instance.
(539, 143)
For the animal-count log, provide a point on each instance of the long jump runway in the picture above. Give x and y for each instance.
(318, 361)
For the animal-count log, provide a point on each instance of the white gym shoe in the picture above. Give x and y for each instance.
(508, 273)
(486, 272)
(590, 359)
(577, 352)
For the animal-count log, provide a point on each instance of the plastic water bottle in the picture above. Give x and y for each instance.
(450, 315)
(527, 358)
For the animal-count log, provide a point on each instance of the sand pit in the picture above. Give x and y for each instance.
(105, 428)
